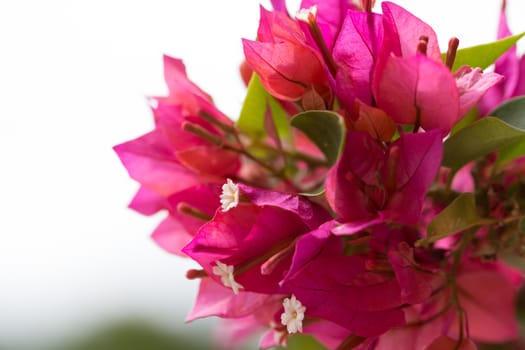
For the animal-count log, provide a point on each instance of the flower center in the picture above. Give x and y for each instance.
(226, 274)
(293, 315)
(230, 195)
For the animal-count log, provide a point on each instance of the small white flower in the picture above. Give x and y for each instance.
(229, 196)
(226, 274)
(307, 15)
(293, 315)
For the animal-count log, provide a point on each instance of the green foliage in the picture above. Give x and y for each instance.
(460, 215)
(135, 335)
(484, 55)
(251, 119)
(301, 342)
(325, 128)
(478, 139)
(512, 112)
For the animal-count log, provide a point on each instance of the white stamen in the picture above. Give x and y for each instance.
(293, 315)
(226, 274)
(229, 196)
(307, 15)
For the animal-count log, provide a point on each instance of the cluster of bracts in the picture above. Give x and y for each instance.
(293, 239)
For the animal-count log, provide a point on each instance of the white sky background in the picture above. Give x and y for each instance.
(73, 76)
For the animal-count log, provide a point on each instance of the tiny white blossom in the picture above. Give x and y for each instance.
(307, 15)
(226, 274)
(229, 196)
(293, 315)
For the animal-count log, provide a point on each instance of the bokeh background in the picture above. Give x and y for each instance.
(77, 268)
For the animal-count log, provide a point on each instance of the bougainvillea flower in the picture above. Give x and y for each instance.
(402, 33)
(353, 290)
(367, 180)
(411, 83)
(344, 265)
(213, 299)
(489, 312)
(177, 170)
(186, 94)
(256, 238)
(365, 37)
(417, 90)
(472, 84)
(249, 313)
(193, 151)
(182, 91)
(511, 66)
(355, 53)
(169, 163)
(169, 158)
(287, 65)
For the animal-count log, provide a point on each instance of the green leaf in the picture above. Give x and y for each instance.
(483, 55)
(325, 128)
(302, 342)
(510, 152)
(460, 215)
(251, 119)
(478, 139)
(512, 112)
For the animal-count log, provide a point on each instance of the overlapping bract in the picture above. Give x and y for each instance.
(344, 264)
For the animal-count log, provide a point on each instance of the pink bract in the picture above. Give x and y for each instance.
(276, 56)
